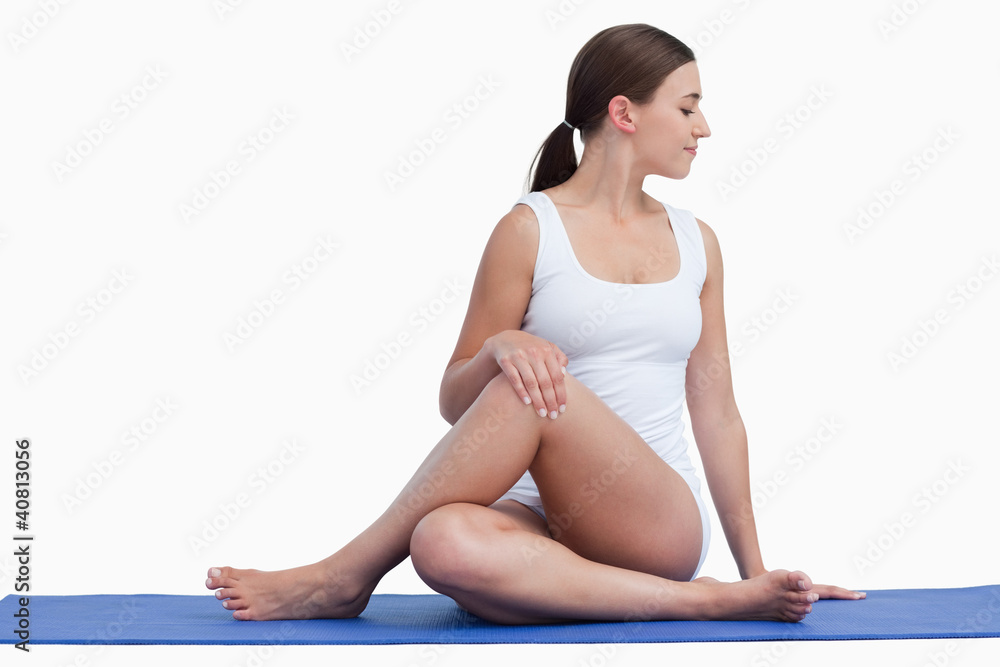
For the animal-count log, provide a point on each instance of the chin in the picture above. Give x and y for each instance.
(677, 174)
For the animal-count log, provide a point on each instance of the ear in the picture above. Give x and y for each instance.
(620, 109)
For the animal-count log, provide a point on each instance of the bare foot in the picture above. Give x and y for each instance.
(311, 591)
(778, 595)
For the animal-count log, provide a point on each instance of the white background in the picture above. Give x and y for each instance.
(162, 335)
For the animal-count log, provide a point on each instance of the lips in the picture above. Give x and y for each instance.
(693, 150)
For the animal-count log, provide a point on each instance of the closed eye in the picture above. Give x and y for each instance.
(687, 112)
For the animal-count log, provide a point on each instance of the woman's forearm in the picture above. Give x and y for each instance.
(723, 450)
(464, 380)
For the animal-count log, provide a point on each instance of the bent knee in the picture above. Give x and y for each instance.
(449, 547)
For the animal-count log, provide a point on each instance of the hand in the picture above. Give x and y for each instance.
(535, 368)
(826, 591)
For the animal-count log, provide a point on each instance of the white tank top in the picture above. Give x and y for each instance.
(629, 343)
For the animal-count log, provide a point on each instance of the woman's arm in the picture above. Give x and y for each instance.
(499, 299)
(716, 423)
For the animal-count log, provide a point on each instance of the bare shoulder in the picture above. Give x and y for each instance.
(502, 288)
(713, 252)
(515, 238)
(520, 222)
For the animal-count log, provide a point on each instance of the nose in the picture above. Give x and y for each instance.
(701, 129)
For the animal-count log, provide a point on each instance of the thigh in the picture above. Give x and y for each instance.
(609, 497)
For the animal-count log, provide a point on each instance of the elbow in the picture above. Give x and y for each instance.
(446, 414)
(446, 402)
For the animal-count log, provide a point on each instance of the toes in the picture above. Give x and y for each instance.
(234, 604)
(227, 594)
(799, 581)
(220, 574)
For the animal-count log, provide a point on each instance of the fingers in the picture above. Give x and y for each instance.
(539, 379)
(827, 592)
(544, 381)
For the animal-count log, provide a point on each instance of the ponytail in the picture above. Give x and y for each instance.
(556, 159)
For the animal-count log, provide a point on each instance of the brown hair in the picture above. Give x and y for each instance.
(630, 60)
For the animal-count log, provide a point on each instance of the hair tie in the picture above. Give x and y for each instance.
(568, 125)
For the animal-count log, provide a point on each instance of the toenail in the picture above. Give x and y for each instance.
(225, 603)
(813, 597)
(208, 582)
(802, 584)
(214, 572)
(218, 593)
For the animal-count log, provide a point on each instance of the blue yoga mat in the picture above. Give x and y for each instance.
(436, 619)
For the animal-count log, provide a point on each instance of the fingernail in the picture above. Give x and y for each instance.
(562, 408)
(527, 400)
(214, 572)
(553, 414)
(541, 412)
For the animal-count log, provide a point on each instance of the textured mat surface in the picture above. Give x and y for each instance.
(436, 619)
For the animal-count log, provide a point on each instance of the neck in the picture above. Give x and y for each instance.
(607, 183)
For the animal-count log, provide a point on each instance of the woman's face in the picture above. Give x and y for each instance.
(668, 128)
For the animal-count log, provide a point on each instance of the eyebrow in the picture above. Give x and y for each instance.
(696, 96)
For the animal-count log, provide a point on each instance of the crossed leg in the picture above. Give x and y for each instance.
(627, 552)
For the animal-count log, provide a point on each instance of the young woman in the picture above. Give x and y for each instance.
(563, 490)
